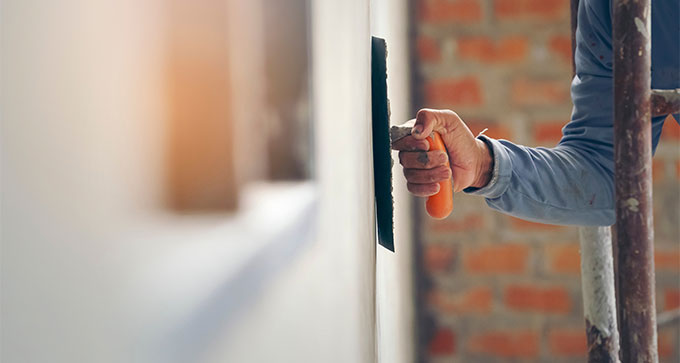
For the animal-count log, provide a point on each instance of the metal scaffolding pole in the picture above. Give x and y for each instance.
(665, 101)
(633, 160)
(599, 302)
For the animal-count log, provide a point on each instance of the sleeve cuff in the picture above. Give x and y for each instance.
(502, 171)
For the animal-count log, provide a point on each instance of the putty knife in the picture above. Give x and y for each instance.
(382, 157)
(438, 206)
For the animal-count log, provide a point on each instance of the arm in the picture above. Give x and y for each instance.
(571, 183)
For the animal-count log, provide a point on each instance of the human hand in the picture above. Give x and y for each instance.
(466, 158)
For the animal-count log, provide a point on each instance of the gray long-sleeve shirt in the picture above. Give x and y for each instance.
(573, 183)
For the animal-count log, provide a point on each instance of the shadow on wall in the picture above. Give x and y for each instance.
(217, 318)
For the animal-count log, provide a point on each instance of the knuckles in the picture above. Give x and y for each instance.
(423, 159)
(421, 176)
(409, 143)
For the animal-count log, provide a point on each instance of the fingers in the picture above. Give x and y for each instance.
(427, 176)
(428, 120)
(423, 159)
(409, 143)
(423, 190)
(423, 168)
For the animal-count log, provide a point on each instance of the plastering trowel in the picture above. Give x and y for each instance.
(382, 157)
(439, 205)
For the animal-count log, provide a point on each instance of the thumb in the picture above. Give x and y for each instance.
(428, 120)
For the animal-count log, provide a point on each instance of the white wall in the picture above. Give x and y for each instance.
(82, 110)
(95, 270)
(395, 301)
(341, 87)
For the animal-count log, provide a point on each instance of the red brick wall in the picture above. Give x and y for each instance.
(494, 288)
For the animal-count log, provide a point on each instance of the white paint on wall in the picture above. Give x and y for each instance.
(341, 112)
(395, 302)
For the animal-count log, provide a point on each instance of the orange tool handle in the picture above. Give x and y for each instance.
(440, 205)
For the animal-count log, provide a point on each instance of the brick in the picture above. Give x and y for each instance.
(438, 258)
(532, 298)
(443, 343)
(564, 258)
(531, 92)
(509, 258)
(495, 129)
(506, 344)
(658, 170)
(568, 343)
(668, 260)
(665, 344)
(547, 9)
(671, 299)
(560, 46)
(469, 222)
(450, 11)
(474, 300)
(428, 49)
(671, 129)
(522, 225)
(532, 10)
(486, 50)
(453, 93)
(450, 33)
(548, 132)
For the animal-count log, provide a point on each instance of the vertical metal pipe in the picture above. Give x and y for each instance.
(633, 159)
(599, 302)
(574, 23)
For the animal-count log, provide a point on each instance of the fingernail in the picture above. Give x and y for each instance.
(417, 129)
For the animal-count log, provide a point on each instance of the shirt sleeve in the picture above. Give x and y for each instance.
(572, 183)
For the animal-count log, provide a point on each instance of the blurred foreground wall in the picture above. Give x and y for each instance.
(495, 288)
(132, 228)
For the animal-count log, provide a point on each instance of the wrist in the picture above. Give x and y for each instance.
(484, 165)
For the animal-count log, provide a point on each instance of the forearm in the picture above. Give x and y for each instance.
(573, 182)
(561, 185)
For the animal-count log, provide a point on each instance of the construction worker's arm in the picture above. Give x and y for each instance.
(569, 184)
